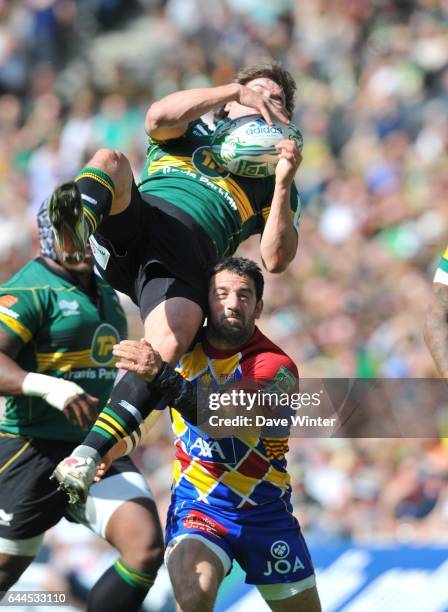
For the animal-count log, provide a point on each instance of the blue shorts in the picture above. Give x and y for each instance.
(266, 540)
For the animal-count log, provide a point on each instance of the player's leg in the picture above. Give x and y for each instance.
(272, 551)
(198, 554)
(170, 327)
(305, 601)
(76, 208)
(121, 510)
(29, 502)
(12, 566)
(195, 572)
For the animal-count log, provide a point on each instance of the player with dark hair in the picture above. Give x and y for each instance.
(231, 495)
(58, 324)
(157, 243)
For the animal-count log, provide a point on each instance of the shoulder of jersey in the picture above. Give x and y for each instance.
(31, 274)
(261, 344)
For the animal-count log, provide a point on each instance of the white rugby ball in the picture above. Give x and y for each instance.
(246, 146)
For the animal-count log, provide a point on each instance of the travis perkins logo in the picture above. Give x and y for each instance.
(280, 564)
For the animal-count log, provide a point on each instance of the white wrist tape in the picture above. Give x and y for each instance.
(55, 391)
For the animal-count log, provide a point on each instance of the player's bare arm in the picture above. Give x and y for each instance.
(169, 117)
(436, 328)
(279, 240)
(11, 375)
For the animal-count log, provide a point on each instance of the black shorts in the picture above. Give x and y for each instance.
(26, 491)
(154, 242)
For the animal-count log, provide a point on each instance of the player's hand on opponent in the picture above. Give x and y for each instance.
(81, 410)
(139, 357)
(263, 104)
(289, 161)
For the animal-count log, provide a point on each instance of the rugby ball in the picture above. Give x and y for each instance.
(246, 146)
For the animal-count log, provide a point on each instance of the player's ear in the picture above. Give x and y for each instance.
(259, 309)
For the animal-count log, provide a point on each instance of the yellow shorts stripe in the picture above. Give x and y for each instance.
(21, 450)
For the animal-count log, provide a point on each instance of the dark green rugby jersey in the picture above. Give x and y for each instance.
(230, 208)
(62, 333)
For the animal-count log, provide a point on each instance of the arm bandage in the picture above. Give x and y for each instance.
(55, 391)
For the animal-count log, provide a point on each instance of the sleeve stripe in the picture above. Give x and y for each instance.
(18, 328)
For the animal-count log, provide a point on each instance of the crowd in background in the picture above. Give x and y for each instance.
(372, 100)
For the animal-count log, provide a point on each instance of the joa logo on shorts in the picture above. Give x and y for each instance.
(103, 341)
(280, 564)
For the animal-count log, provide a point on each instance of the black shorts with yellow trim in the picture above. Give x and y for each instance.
(154, 251)
(29, 501)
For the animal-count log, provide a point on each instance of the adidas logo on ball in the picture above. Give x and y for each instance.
(263, 129)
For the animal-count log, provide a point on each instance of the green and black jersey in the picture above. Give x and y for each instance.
(62, 333)
(230, 208)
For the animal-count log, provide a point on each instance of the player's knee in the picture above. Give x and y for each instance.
(147, 556)
(143, 548)
(171, 344)
(116, 166)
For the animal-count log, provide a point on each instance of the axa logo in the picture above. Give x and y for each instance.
(69, 308)
(5, 517)
(281, 564)
(207, 449)
(103, 342)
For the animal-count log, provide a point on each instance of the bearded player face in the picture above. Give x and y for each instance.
(233, 308)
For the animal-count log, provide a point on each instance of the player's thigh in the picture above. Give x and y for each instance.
(195, 571)
(305, 601)
(172, 316)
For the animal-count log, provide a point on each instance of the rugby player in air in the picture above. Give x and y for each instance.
(436, 321)
(230, 495)
(58, 324)
(158, 242)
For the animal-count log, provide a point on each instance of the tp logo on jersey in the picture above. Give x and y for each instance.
(103, 341)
